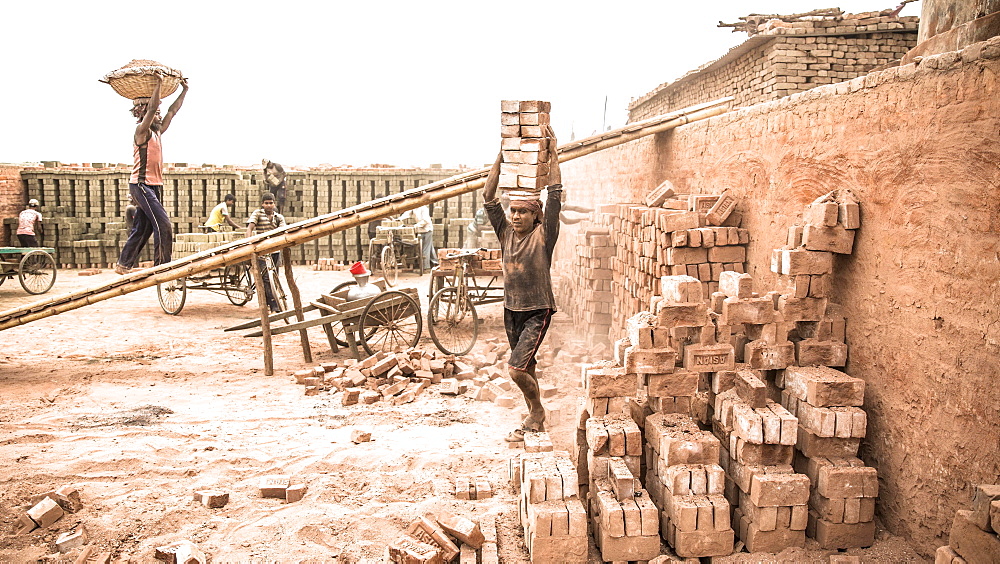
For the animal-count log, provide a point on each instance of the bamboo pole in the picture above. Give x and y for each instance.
(286, 260)
(313, 228)
(265, 315)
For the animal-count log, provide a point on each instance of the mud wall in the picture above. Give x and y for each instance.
(919, 146)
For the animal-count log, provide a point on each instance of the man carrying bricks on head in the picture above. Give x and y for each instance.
(527, 240)
(146, 183)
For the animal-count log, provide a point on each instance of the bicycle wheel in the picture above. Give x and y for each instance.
(390, 322)
(452, 321)
(390, 265)
(172, 295)
(37, 272)
(238, 286)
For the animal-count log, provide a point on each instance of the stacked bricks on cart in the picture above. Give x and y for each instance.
(551, 513)
(186, 244)
(974, 532)
(525, 148)
(484, 259)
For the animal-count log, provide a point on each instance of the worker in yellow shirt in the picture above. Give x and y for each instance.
(222, 214)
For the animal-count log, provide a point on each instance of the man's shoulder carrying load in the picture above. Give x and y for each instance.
(137, 79)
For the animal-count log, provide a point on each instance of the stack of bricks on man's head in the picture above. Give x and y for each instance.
(525, 148)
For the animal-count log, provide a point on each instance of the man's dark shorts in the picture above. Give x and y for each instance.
(525, 331)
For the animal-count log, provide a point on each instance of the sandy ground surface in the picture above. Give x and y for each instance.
(138, 409)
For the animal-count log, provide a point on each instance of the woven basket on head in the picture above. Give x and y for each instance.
(138, 78)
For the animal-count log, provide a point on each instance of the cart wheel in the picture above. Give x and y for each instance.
(452, 321)
(338, 329)
(237, 284)
(390, 322)
(390, 264)
(37, 272)
(172, 295)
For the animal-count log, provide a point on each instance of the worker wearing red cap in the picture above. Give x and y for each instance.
(527, 240)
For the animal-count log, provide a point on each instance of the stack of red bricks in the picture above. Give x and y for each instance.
(591, 306)
(549, 506)
(759, 434)
(672, 234)
(625, 518)
(974, 532)
(831, 426)
(525, 147)
(484, 259)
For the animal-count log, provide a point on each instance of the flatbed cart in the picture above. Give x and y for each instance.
(454, 294)
(34, 267)
(387, 322)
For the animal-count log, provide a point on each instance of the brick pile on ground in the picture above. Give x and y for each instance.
(549, 506)
(974, 533)
(525, 147)
(444, 537)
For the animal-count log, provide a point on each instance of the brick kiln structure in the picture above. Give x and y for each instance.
(84, 206)
(916, 145)
(782, 58)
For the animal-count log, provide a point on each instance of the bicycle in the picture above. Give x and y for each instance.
(391, 258)
(451, 315)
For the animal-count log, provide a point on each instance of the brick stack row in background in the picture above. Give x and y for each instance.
(525, 147)
(84, 206)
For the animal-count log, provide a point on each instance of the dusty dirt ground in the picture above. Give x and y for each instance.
(138, 409)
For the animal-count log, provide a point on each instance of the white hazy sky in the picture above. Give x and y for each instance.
(306, 82)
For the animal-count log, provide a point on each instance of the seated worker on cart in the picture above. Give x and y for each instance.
(261, 220)
(527, 239)
(221, 214)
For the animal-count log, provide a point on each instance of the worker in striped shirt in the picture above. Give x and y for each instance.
(261, 220)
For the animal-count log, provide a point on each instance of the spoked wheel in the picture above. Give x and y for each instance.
(390, 266)
(390, 322)
(37, 272)
(172, 295)
(239, 288)
(452, 321)
(338, 329)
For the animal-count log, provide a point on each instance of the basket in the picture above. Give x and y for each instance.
(137, 79)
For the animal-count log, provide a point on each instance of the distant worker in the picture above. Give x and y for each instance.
(425, 231)
(29, 225)
(222, 214)
(261, 220)
(146, 183)
(528, 239)
(274, 181)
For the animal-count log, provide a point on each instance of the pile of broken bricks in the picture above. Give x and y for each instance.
(443, 537)
(398, 378)
(45, 509)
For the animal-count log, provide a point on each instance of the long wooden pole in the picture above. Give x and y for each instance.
(314, 228)
(265, 315)
(293, 289)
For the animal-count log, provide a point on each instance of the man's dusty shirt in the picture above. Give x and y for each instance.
(527, 261)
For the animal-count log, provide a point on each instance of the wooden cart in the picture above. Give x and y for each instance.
(34, 267)
(390, 321)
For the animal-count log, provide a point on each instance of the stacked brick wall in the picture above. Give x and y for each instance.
(85, 205)
(917, 145)
(12, 199)
(786, 58)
